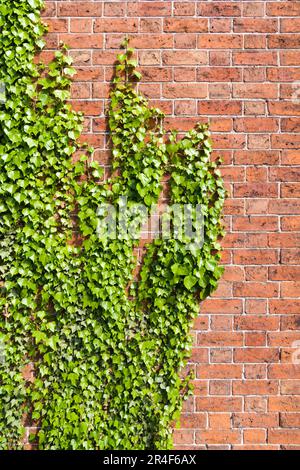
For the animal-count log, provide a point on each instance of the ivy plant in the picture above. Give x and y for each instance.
(106, 352)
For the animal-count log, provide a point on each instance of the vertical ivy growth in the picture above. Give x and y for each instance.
(106, 366)
(37, 187)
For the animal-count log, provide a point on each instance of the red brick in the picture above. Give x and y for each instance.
(255, 125)
(256, 273)
(220, 387)
(222, 404)
(289, 420)
(256, 323)
(183, 25)
(254, 25)
(184, 8)
(81, 25)
(156, 74)
(88, 74)
(80, 90)
(220, 25)
(284, 371)
(221, 323)
(256, 174)
(282, 8)
(219, 9)
(220, 107)
(285, 141)
(219, 421)
(256, 355)
(151, 25)
(101, 90)
(141, 41)
(255, 387)
(284, 273)
(290, 387)
(290, 256)
(254, 107)
(290, 224)
(185, 107)
(290, 157)
(57, 25)
(185, 90)
(290, 322)
(219, 74)
(254, 436)
(255, 289)
(283, 240)
(290, 124)
(184, 74)
(219, 339)
(185, 41)
(219, 371)
(185, 57)
(284, 436)
(283, 74)
(284, 306)
(220, 41)
(114, 8)
(81, 57)
(90, 108)
(49, 9)
(183, 437)
(80, 9)
(149, 8)
(227, 306)
(193, 421)
(256, 257)
(218, 437)
(229, 141)
(256, 404)
(253, 9)
(284, 206)
(220, 356)
(255, 157)
(107, 25)
(251, 90)
(252, 41)
(288, 26)
(283, 41)
(289, 57)
(219, 58)
(83, 41)
(254, 420)
(255, 58)
(256, 190)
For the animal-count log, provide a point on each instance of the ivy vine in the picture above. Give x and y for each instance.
(106, 351)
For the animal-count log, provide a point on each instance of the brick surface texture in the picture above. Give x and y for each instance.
(235, 64)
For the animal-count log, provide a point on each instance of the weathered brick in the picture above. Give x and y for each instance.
(254, 25)
(183, 25)
(219, 9)
(87, 8)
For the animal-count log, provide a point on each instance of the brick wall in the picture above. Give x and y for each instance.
(236, 64)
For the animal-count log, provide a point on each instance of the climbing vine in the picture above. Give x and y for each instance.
(106, 351)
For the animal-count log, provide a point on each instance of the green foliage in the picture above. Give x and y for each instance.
(106, 366)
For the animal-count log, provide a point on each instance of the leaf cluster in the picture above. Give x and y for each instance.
(107, 367)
